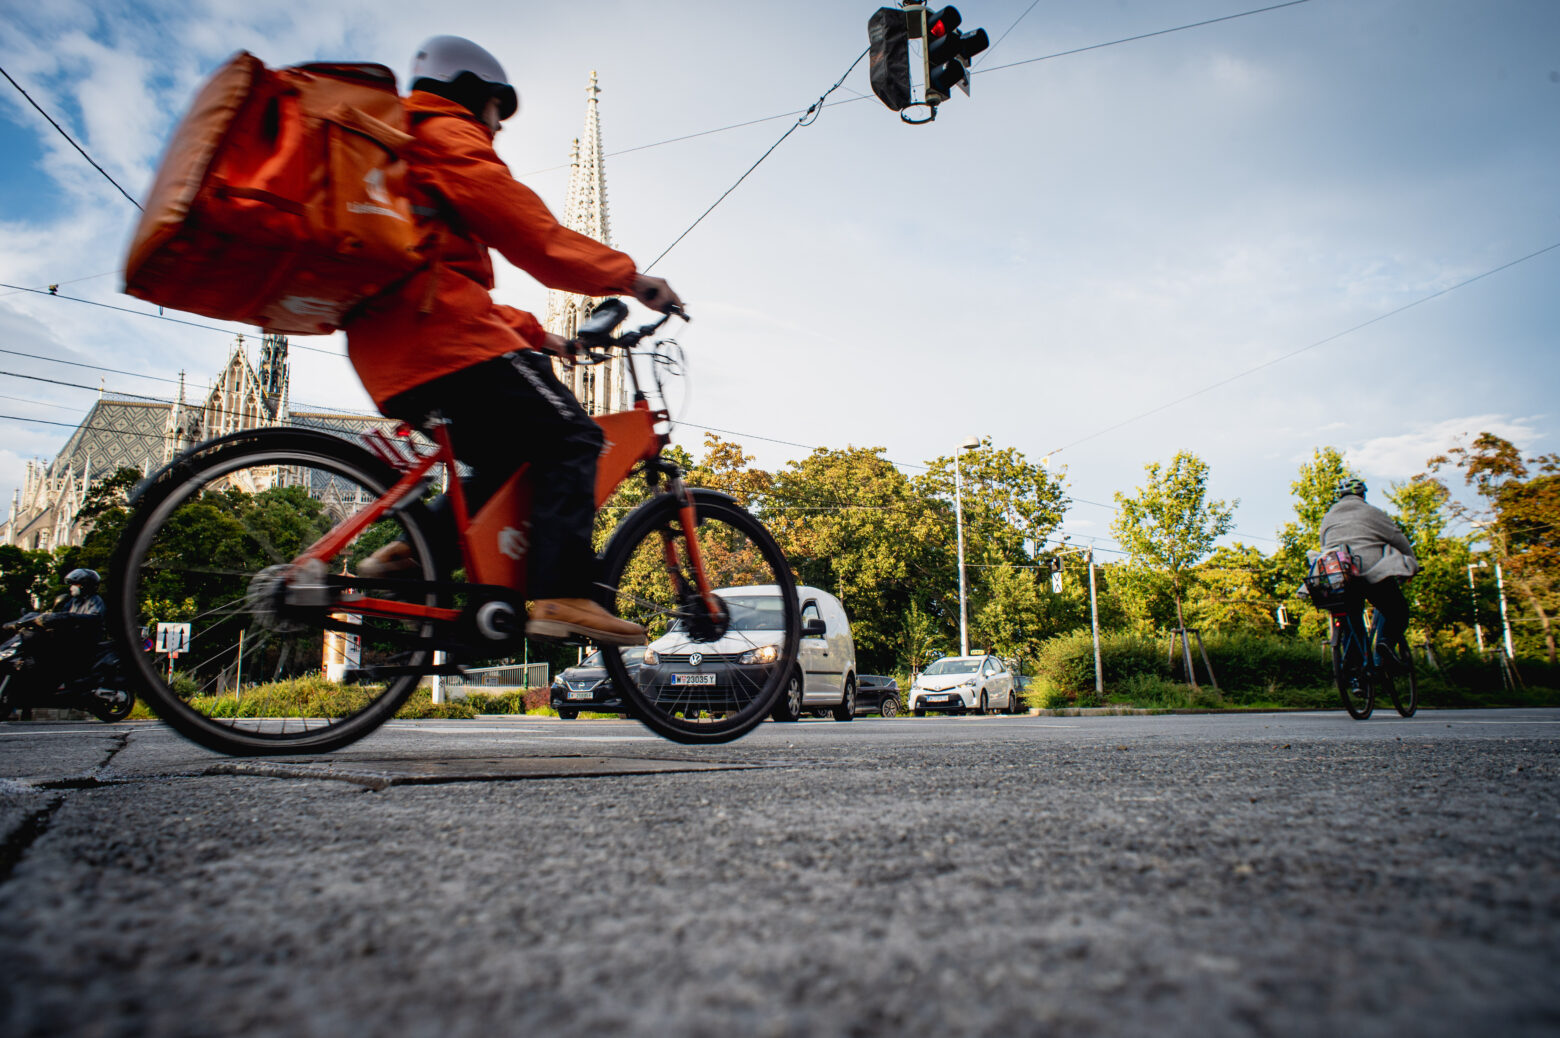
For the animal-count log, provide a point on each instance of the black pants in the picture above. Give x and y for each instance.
(507, 412)
(1387, 597)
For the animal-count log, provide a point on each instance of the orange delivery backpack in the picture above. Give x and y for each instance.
(281, 201)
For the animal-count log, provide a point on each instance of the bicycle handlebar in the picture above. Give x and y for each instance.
(597, 330)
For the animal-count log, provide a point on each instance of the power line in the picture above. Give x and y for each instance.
(68, 137)
(1142, 36)
(807, 119)
(1320, 342)
(986, 56)
(170, 402)
(160, 317)
(57, 284)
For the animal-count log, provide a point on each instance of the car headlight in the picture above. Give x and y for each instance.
(651, 659)
(762, 654)
(967, 683)
(6, 654)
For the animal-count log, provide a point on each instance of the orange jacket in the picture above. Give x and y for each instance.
(443, 318)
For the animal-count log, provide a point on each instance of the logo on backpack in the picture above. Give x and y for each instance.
(374, 184)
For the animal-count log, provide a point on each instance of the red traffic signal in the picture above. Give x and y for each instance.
(949, 52)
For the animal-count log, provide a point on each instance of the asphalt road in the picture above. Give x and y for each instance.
(1286, 874)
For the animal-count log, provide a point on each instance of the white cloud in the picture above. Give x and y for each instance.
(1403, 455)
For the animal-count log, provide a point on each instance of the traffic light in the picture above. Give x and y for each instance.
(889, 42)
(948, 53)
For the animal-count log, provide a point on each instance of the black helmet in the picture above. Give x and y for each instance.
(1352, 485)
(87, 578)
(458, 69)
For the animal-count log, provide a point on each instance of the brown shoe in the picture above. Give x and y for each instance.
(393, 560)
(580, 618)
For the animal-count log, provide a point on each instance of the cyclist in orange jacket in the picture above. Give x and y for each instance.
(439, 342)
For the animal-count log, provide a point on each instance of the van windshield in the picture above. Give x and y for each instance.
(954, 666)
(750, 613)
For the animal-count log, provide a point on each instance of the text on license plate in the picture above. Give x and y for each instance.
(693, 679)
(580, 695)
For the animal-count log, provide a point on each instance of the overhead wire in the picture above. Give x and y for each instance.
(163, 317)
(1303, 349)
(807, 119)
(1143, 36)
(69, 138)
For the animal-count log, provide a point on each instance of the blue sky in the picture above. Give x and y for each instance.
(1084, 240)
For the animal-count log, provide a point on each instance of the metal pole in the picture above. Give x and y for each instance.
(1478, 632)
(238, 673)
(438, 679)
(1094, 622)
(958, 522)
(1505, 622)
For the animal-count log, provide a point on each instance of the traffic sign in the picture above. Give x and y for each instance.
(173, 638)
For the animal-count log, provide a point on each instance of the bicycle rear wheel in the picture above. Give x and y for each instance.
(210, 544)
(1354, 684)
(1399, 681)
(706, 678)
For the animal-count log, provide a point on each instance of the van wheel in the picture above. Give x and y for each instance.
(789, 707)
(846, 711)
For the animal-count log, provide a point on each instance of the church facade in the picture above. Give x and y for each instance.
(127, 431)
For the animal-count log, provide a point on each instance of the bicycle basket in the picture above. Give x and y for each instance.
(1328, 581)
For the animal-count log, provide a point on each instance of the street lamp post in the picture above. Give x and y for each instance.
(958, 522)
(1478, 632)
(1505, 621)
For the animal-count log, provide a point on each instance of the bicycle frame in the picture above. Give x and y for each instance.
(1357, 640)
(494, 543)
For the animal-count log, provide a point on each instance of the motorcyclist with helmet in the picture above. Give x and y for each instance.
(439, 343)
(61, 649)
(1386, 559)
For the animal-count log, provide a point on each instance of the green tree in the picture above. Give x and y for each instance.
(1439, 594)
(1011, 508)
(25, 579)
(104, 513)
(854, 525)
(1170, 524)
(1314, 490)
(1235, 591)
(1521, 516)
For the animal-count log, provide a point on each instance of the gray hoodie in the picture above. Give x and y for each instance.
(1371, 534)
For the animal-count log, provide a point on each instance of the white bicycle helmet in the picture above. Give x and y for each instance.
(454, 67)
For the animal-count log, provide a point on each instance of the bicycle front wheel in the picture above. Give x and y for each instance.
(708, 676)
(209, 544)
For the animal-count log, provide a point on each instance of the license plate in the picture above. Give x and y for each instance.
(693, 679)
(579, 695)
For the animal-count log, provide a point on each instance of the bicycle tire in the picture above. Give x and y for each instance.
(638, 584)
(156, 553)
(1404, 699)
(1354, 685)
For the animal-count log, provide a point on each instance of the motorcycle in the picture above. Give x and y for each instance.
(30, 675)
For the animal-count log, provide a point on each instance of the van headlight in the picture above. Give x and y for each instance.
(651, 659)
(762, 654)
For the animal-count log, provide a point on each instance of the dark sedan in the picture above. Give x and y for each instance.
(587, 686)
(877, 694)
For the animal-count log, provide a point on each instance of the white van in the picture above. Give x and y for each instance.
(825, 676)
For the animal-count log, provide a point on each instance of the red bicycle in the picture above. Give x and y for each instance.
(252, 539)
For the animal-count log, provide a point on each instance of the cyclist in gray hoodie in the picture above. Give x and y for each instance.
(1386, 557)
